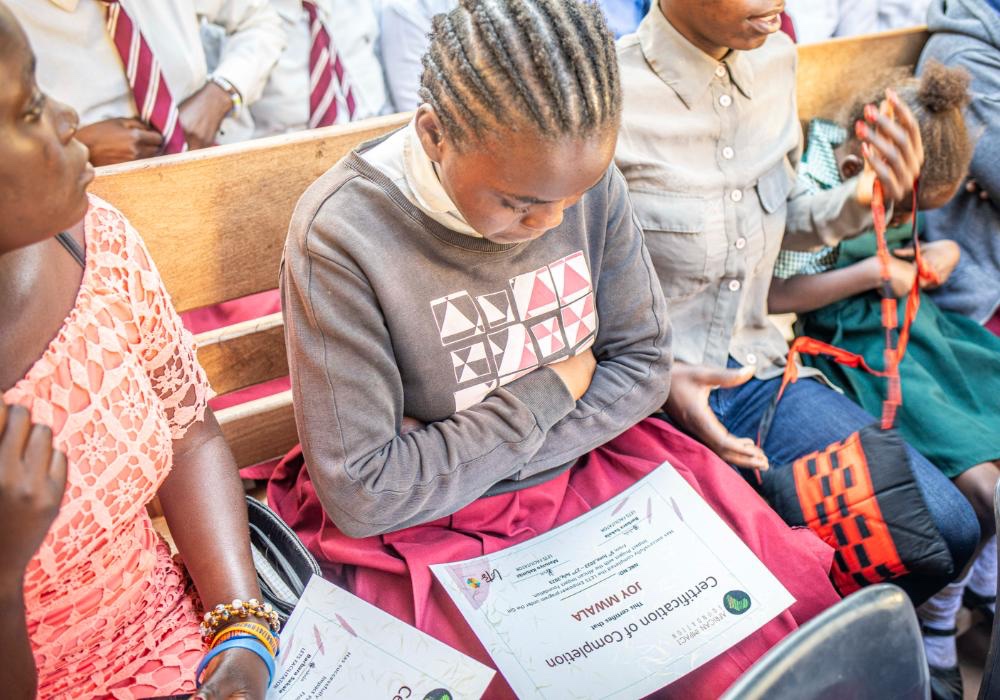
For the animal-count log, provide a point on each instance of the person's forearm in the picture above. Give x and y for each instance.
(824, 218)
(803, 293)
(255, 38)
(18, 676)
(204, 505)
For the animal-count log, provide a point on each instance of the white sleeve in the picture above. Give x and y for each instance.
(255, 40)
(857, 17)
(405, 26)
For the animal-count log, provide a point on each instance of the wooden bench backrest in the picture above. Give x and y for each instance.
(215, 222)
(831, 73)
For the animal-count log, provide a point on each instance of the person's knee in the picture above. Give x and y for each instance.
(951, 511)
(963, 536)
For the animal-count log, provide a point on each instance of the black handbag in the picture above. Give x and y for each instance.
(284, 565)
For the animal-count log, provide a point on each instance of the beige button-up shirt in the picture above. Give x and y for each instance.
(79, 64)
(709, 149)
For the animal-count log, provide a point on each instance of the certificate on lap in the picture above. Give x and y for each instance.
(336, 645)
(620, 601)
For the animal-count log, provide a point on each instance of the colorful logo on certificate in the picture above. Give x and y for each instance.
(473, 582)
(439, 694)
(736, 602)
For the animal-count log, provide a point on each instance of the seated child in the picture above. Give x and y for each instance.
(951, 372)
(477, 336)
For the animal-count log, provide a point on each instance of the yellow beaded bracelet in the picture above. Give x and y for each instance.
(224, 612)
(252, 629)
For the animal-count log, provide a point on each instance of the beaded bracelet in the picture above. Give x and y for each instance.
(224, 612)
(247, 643)
(248, 629)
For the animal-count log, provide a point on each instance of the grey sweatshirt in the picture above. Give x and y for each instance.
(389, 314)
(967, 33)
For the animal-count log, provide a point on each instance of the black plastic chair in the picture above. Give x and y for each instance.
(990, 688)
(867, 647)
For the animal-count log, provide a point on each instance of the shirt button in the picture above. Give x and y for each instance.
(720, 70)
(734, 285)
(741, 243)
(725, 100)
(751, 359)
(728, 153)
(736, 195)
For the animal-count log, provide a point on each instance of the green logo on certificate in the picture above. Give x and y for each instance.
(736, 602)
(438, 694)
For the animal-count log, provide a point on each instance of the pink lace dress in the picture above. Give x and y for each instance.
(110, 614)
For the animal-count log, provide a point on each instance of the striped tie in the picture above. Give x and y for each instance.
(325, 92)
(152, 96)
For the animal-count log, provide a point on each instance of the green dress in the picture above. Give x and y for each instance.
(950, 375)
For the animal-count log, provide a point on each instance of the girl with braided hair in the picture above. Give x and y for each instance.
(476, 335)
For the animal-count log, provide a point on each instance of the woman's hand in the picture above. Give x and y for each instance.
(890, 137)
(687, 405)
(235, 674)
(576, 372)
(32, 482)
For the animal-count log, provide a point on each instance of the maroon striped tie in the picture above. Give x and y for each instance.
(152, 96)
(328, 83)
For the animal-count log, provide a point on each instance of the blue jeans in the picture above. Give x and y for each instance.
(810, 416)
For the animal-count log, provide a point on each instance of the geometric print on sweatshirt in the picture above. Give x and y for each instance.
(540, 317)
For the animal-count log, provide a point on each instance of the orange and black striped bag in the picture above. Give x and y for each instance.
(859, 495)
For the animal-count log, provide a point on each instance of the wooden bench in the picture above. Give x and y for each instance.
(832, 72)
(216, 220)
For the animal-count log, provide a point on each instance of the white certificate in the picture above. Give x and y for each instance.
(336, 645)
(619, 602)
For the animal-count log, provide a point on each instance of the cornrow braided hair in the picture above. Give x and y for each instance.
(548, 64)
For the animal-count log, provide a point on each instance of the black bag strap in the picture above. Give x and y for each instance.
(73, 247)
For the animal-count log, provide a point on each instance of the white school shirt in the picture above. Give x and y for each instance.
(819, 20)
(79, 64)
(354, 33)
(405, 28)
(402, 158)
(407, 23)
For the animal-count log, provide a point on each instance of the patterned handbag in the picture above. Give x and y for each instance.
(859, 495)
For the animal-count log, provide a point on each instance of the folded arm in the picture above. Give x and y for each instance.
(349, 393)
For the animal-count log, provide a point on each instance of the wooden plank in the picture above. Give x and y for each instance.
(261, 429)
(832, 72)
(215, 220)
(244, 354)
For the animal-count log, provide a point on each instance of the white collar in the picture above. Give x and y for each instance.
(422, 177)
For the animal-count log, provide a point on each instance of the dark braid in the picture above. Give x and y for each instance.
(499, 42)
(436, 58)
(507, 64)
